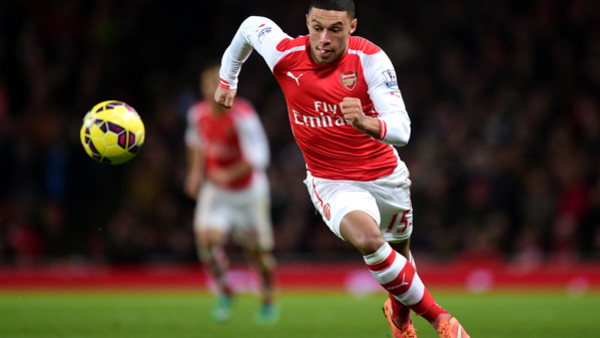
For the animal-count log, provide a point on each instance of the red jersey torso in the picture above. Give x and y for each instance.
(219, 136)
(332, 148)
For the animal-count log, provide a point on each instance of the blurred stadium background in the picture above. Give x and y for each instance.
(504, 98)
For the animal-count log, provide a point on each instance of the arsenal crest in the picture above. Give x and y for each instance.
(327, 211)
(349, 79)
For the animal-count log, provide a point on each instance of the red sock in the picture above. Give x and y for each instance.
(400, 312)
(428, 308)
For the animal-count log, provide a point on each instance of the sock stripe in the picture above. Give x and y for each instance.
(387, 262)
(402, 282)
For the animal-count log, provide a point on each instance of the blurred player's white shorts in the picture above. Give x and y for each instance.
(386, 200)
(244, 213)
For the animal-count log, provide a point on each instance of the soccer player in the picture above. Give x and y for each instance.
(228, 154)
(347, 114)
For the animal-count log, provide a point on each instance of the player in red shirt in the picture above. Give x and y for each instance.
(228, 155)
(347, 114)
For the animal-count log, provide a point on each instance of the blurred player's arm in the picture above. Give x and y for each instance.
(223, 176)
(255, 33)
(195, 158)
(253, 141)
(195, 172)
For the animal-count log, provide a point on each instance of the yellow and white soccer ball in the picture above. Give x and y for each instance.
(112, 132)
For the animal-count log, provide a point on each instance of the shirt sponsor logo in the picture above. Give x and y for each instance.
(328, 116)
(349, 79)
(390, 79)
(321, 121)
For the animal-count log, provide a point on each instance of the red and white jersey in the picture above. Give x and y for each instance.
(332, 148)
(227, 138)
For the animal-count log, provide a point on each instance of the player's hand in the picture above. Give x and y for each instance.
(218, 176)
(351, 108)
(224, 96)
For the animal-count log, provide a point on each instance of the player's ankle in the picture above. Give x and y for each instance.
(434, 314)
(401, 313)
(436, 322)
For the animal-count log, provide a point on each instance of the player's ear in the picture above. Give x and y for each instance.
(307, 24)
(353, 24)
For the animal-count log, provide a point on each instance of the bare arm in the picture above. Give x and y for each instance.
(195, 172)
(224, 176)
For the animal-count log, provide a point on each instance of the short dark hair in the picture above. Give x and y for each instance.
(334, 5)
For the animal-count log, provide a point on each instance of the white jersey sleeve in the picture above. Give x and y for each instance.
(192, 136)
(255, 33)
(387, 99)
(253, 141)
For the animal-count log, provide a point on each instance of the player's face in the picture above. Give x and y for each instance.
(329, 33)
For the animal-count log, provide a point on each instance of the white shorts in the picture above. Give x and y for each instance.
(245, 213)
(386, 200)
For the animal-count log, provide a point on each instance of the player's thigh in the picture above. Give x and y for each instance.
(394, 201)
(252, 218)
(335, 199)
(212, 214)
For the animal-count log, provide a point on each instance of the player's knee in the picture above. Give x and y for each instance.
(368, 243)
(402, 247)
(210, 238)
(264, 261)
(362, 231)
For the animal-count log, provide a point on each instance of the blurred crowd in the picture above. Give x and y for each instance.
(504, 98)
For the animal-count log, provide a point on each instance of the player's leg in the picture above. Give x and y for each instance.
(352, 212)
(362, 231)
(397, 275)
(434, 314)
(210, 246)
(253, 230)
(397, 227)
(264, 263)
(211, 234)
(398, 312)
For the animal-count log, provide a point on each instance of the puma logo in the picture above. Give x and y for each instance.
(403, 283)
(294, 77)
(403, 278)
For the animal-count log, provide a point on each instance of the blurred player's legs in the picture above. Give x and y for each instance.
(211, 253)
(244, 215)
(253, 231)
(264, 262)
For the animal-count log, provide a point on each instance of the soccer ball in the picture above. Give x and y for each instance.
(112, 132)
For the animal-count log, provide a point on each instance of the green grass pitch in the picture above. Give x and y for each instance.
(79, 314)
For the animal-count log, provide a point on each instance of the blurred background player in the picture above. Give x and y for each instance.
(347, 114)
(228, 154)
